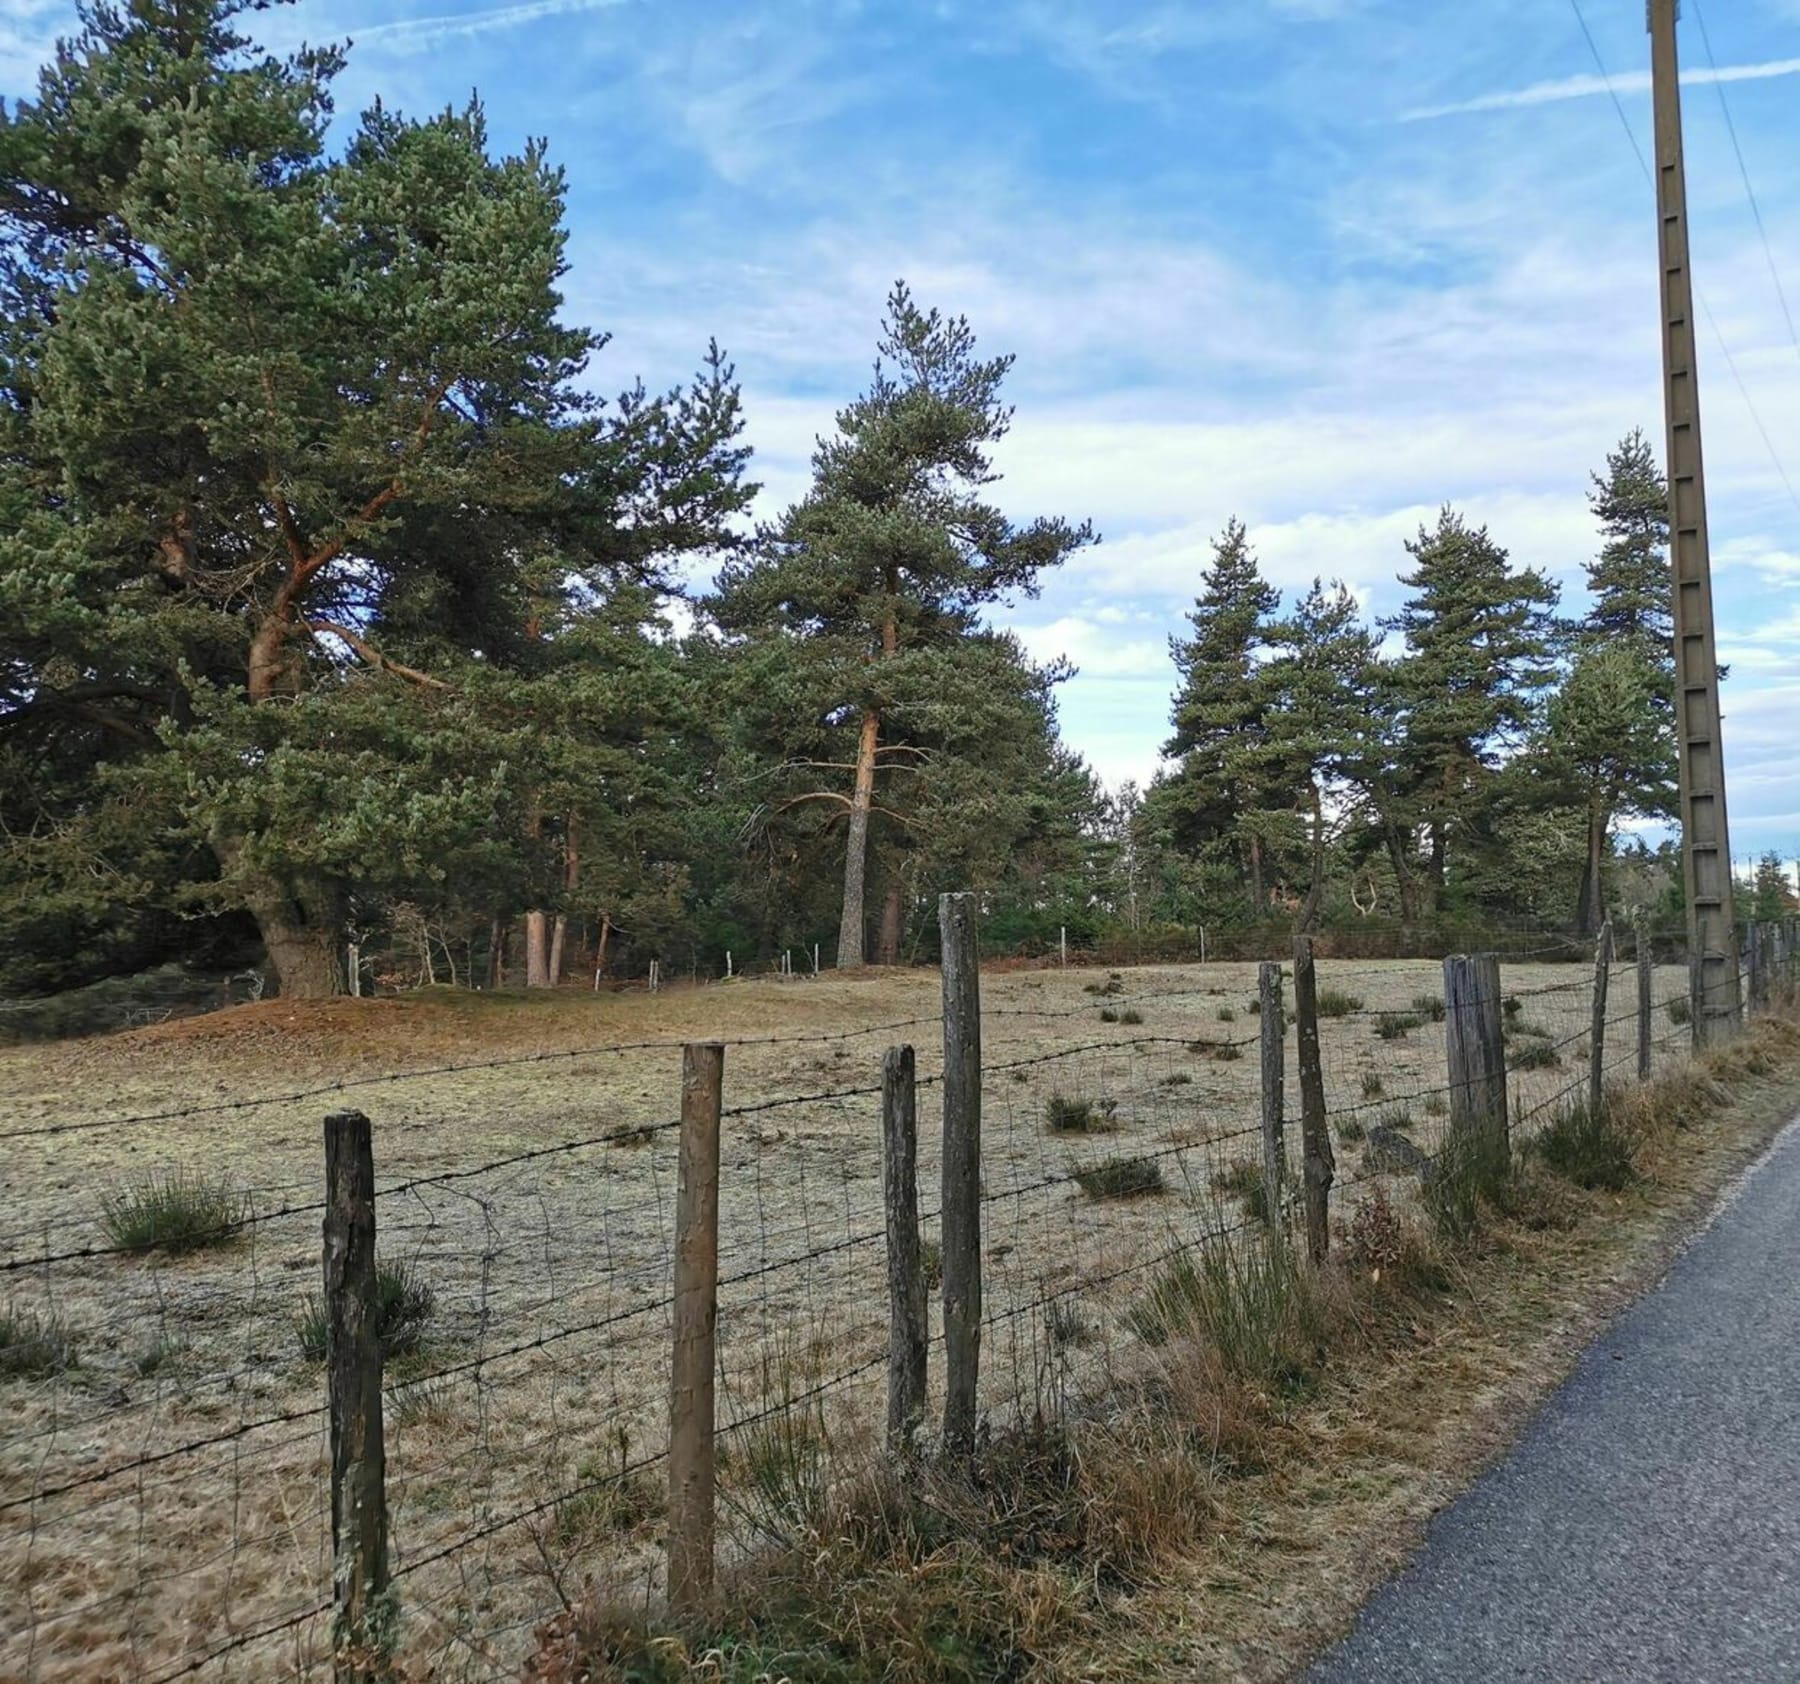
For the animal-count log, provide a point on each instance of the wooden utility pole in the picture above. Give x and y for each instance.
(1705, 837)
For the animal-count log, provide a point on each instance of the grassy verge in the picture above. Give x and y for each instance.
(1275, 1455)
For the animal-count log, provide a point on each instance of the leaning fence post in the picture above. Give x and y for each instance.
(1475, 1047)
(1646, 991)
(1274, 1081)
(907, 1332)
(1603, 953)
(691, 1450)
(353, 1394)
(1315, 1138)
(961, 1201)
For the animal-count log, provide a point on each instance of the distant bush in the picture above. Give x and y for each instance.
(1244, 1180)
(1131, 1015)
(176, 1213)
(1680, 1010)
(1534, 1055)
(1395, 1026)
(1108, 1015)
(1227, 1014)
(1227, 1053)
(1121, 1178)
(1430, 1007)
(1334, 1002)
(1373, 1087)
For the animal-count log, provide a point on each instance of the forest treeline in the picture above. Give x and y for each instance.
(337, 607)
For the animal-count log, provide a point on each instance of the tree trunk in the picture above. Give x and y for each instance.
(856, 846)
(893, 922)
(537, 951)
(1404, 885)
(558, 934)
(304, 934)
(1258, 898)
(496, 964)
(600, 954)
(1315, 893)
(1590, 903)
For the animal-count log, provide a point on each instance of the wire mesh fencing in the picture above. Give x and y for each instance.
(166, 1468)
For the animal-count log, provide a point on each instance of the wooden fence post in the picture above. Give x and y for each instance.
(353, 1394)
(1603, 954)
(961, 1201)
(1274, 1083)
(691, 1448)
(1315, 1136)
(1475, 1046)
(907, 1332)
(1645, 1000)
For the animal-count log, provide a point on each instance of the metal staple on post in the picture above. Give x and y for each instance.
(908, 1335)
(353, 1396)
(692, 1460)
(1603, 953)
(961, 1199)
(1274, 1081)
(1319, 1166)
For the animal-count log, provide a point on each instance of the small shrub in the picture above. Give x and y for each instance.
(158, 1354)
(776, 1474)
(1334, 1002)
(1244, 1180)
(1064, 1327)
(1436, 1105)
(1114, 984)
(404, 1305)
(1108, 1015)
(1021, 1076)
(1588, 1147)
(1255, 1006)
(175, 1213)
(1257, 1305)
(1121, 1178)
(1375, 1237)
(1066, 1114)
(610, 1497)
(1512, 1005)
(1227, 1054)
(931, 1263)
(422, 1403)
(1373, 1087)
(1351, 1129)
(1227, 1014)
(1680, 1010)
(1430, 1007)
(1131, 1015)
(1395, 1026)
(1397, 1117)
(1535, 1055)
(1177, 1079)
(34, 1345)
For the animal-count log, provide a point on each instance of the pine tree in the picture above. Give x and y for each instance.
(1224, 776)
(1630, 582)
(1479, 656)
(858, 611)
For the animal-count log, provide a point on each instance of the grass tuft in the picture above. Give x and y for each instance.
(1131, 1015)
(1121, 1178)
(1588, 1147)
(1430, 1007)
(404, 1305)
(1534, 1055)
(1069, 1114)
(1227, 1014)
(1244, 1180)
(1351, 1129)
(34, 1345)
(1473, 1171)
(1680, 1010)
(1334, 1002)
(1373, 1087)
(1227, 1053)
(174, 1213)
(1395, 1026)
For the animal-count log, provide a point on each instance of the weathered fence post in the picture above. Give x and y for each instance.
(1645, 1000)
(353, 1394)
(907, 1332)
(691, 1451)
(1319, 1165)
(1274, 1083)
(1603, 954)
(1062, 943)
(728, 964)
(961, 1202)
(1475, 1046)
(815, 958)
(353, 964)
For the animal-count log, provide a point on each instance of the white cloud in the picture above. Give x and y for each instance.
(1590, 86)
(1095, 649)
(412, 35)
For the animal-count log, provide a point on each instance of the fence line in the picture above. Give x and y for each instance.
(1059, 1207)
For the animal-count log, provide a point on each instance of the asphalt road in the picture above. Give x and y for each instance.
(1647, 1525)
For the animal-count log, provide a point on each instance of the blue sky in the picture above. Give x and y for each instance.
(1322, 264)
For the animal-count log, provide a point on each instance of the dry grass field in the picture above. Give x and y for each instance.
(534, 1198)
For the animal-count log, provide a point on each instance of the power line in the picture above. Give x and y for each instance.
(1706, 309)
(1744, 171)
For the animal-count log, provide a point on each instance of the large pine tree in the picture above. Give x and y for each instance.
(860, 614)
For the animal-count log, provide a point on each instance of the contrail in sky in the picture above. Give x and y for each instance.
(1585, 87)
